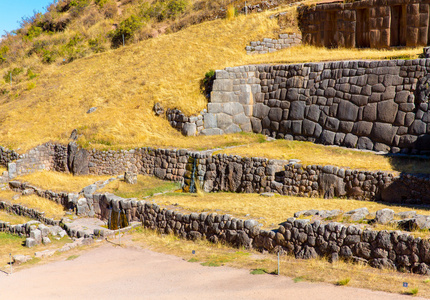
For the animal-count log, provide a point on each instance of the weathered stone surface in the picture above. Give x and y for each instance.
(384, 216)
(130, 178)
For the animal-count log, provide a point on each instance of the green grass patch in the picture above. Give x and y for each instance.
(34, 261)
(193, 260)
(72, 257)
(259, 271)
(145, 186)
(412, 292)
(344, 281)
(298, 279)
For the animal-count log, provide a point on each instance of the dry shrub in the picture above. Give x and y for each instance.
(110, 10)
(231, 12)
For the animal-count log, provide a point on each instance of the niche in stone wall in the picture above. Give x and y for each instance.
(398, 25)
(330, 29)
(362, 39)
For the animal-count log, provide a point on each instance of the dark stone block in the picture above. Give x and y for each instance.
(362, 128)
(275, 114)
(347, 111)
(387, 111)
(345, 126)
(308, 127)
(327, 137)
(350, 140)
(383, 133)
(297, 110)
(359, 100)
(364, 143)
(369, 112)
(332, 124)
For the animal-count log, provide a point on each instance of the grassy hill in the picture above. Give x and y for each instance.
(125, 82)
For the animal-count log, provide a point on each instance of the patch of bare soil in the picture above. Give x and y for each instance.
(113, 272)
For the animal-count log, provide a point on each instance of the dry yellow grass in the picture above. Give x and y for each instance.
(316, 270)
(61, 182)
(51, 209)
(311, 154)
(125, 83)
(145, 186)
(269, 211)
(12, 218)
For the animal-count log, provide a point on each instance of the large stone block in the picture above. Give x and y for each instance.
(223, 85)
(350, 140)
(241, 119)
(189, 129)
(261, 110)
(369, 112)
(275, 114)
(212, 131)
(364, 143)
(223, 97)
(347, 111)
(210, 120)
(382, 132)
(387, 111)
(362, 128)
(233, 108)
(233, 128)
(224, 120)
(297, 110)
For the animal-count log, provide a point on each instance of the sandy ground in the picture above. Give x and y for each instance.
(111, 272)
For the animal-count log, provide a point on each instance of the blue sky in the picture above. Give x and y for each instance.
(12, 11)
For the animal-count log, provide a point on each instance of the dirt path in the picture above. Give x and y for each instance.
(110, 272)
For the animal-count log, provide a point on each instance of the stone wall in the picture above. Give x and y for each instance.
(380, 249)
(21, 210)
(232, 101)
(374, 105)
(245, 175)
(268, 45)
(7, 156)
(368, 23)
(188, 125)
(44, 157)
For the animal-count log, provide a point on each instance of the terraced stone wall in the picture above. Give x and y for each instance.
(380, 249)
(243, 175)
(374, 105)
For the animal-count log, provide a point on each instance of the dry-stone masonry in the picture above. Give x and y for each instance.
(188, 125)
(367, 23)
(374, 105)
(268, 45)
(380, 249)
(232, 173)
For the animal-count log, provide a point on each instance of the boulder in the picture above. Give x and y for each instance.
(130, 177)
(20, 259)
(383, 216)
(357, 214)
(158, 109)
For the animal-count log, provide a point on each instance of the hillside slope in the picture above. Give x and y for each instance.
(125, 83)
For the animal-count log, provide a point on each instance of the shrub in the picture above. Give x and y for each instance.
(31, 74)
(163, 10)
(14, 72)
(49, 56)
(110, 10)
(175, 7)
(101, 3)
(344, 281)
(231, 12)
(96, 45)
(33, 32)
(126, 28)
(3, 52)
